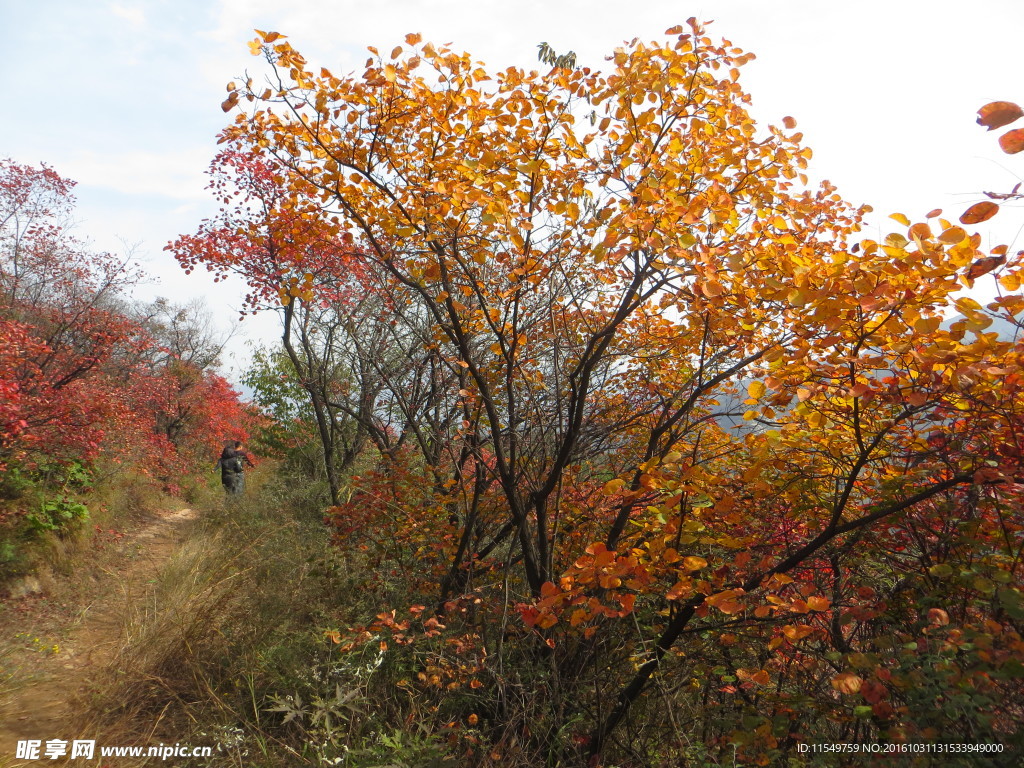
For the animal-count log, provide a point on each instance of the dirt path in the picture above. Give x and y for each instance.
(54, 645)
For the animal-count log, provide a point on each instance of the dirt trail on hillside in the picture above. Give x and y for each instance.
(37, 700)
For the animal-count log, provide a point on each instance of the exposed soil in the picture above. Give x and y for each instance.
(54, 643)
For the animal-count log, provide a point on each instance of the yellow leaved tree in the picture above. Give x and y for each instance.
(708, 434)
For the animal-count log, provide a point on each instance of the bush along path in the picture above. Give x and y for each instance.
(54, 645)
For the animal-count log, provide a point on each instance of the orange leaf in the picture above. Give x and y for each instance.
(547, 620)
(984, 266)
(612, 486)
(609, 581)
(795, 633)
(1012, 142)
(1011, 281)
(789, 122)
(933, 213)
(917, 399)
(759, 676)
(726, 601)
(847, 682)
(953, 235)
(921, 230)
(549, 589)
(996, 114)
(979, 212)
(730, 607)
(818, 603)
(712, 288)
(680, 588)
(859, 390)
(692, 563)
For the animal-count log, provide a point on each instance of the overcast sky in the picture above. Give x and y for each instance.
(124, 96)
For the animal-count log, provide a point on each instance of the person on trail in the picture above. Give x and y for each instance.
(232, 463)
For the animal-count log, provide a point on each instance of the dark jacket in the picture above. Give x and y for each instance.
(232, 461)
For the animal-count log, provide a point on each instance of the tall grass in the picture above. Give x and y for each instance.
(232, 620)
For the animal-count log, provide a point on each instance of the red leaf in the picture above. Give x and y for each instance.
(996, 114)
(979, 212)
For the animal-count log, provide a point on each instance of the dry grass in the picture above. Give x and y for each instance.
(226, 623)
(65, 626)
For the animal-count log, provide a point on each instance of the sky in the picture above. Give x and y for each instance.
(124, 97)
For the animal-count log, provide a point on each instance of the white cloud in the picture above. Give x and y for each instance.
(177, 174)
(133, 14)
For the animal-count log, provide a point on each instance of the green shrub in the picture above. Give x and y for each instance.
(57, 515)
(14, 483)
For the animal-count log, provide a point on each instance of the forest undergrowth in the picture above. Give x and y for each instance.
(248, 631)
